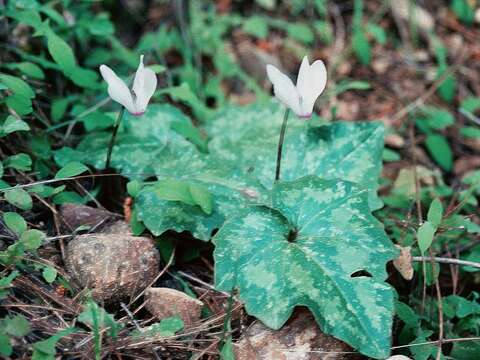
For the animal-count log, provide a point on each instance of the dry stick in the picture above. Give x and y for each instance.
(280, 144)
(114, 136)
(421, 100)
(411, 133)
(449, 261)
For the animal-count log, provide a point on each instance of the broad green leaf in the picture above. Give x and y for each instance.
(13, 124)
(58, 108)
(464, 10)
(134, 187)
(247, 138)
(300, 32)
(146, 146)
(61, 52)
(306, 250)
(436, 118)
(20, 162)
(15, 222)
(221, 192)
(256, 26)
(22, 93)
(29, 69)
(435, 212)
(425, 235)
(49, 274)
(202, 197)
(191, 133)
(5, 346)
(19, 198)
(71, 169)
(470, 131)
(17, 325)
(440, 150)
(32, 239)
(471, 104)
(17, 86)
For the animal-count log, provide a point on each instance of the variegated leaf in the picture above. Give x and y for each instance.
(306, 250)
(248, 137)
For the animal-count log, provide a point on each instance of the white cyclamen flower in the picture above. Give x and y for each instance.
(311, 82)
(144, 86)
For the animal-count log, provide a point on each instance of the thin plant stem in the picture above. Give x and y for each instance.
(114, 136)
(280, 144)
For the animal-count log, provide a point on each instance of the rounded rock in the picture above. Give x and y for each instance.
(114, 266)
(165, 302)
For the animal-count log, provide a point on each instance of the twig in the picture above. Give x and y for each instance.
(450, 261)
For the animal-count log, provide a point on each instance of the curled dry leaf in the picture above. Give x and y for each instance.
(404, 262)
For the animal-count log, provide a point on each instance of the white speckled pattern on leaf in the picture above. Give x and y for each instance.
(337, 237)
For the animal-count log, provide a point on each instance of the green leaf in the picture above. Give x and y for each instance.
(15, 222)
(20, 162)
(425, 235)
(300, 32)
(230, 191)
(58, 108)
(256, 26)
(437, 118)
(29, 69)
(440, 150)
(470, 131)
(146, 147)
(49, 274)
(435, 212)
(5, 346)
(191, 133)
(17, 86)
(202, 197)
(13, 124)
(94, 314)
(247, 137)
(19, 198)
(70, 170)
(45, 349)
(32, 239)
(471, 104)
(61, 52)
(17, 325)
(464, 11)
(377, 32)
(361, 47)
(134, 187)
(303, 251)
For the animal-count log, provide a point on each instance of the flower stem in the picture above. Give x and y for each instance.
(114, 136)
(280, 144)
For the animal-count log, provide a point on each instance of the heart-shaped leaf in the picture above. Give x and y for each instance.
(248, 138)
(317, 246)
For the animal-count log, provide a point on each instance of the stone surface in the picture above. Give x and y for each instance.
(166, 302)
(114, 266)
(75, 215)
(299, 339)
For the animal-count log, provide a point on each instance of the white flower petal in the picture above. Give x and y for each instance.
(144, 85)
(117, 89)
(284, 89)
(311, 82)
